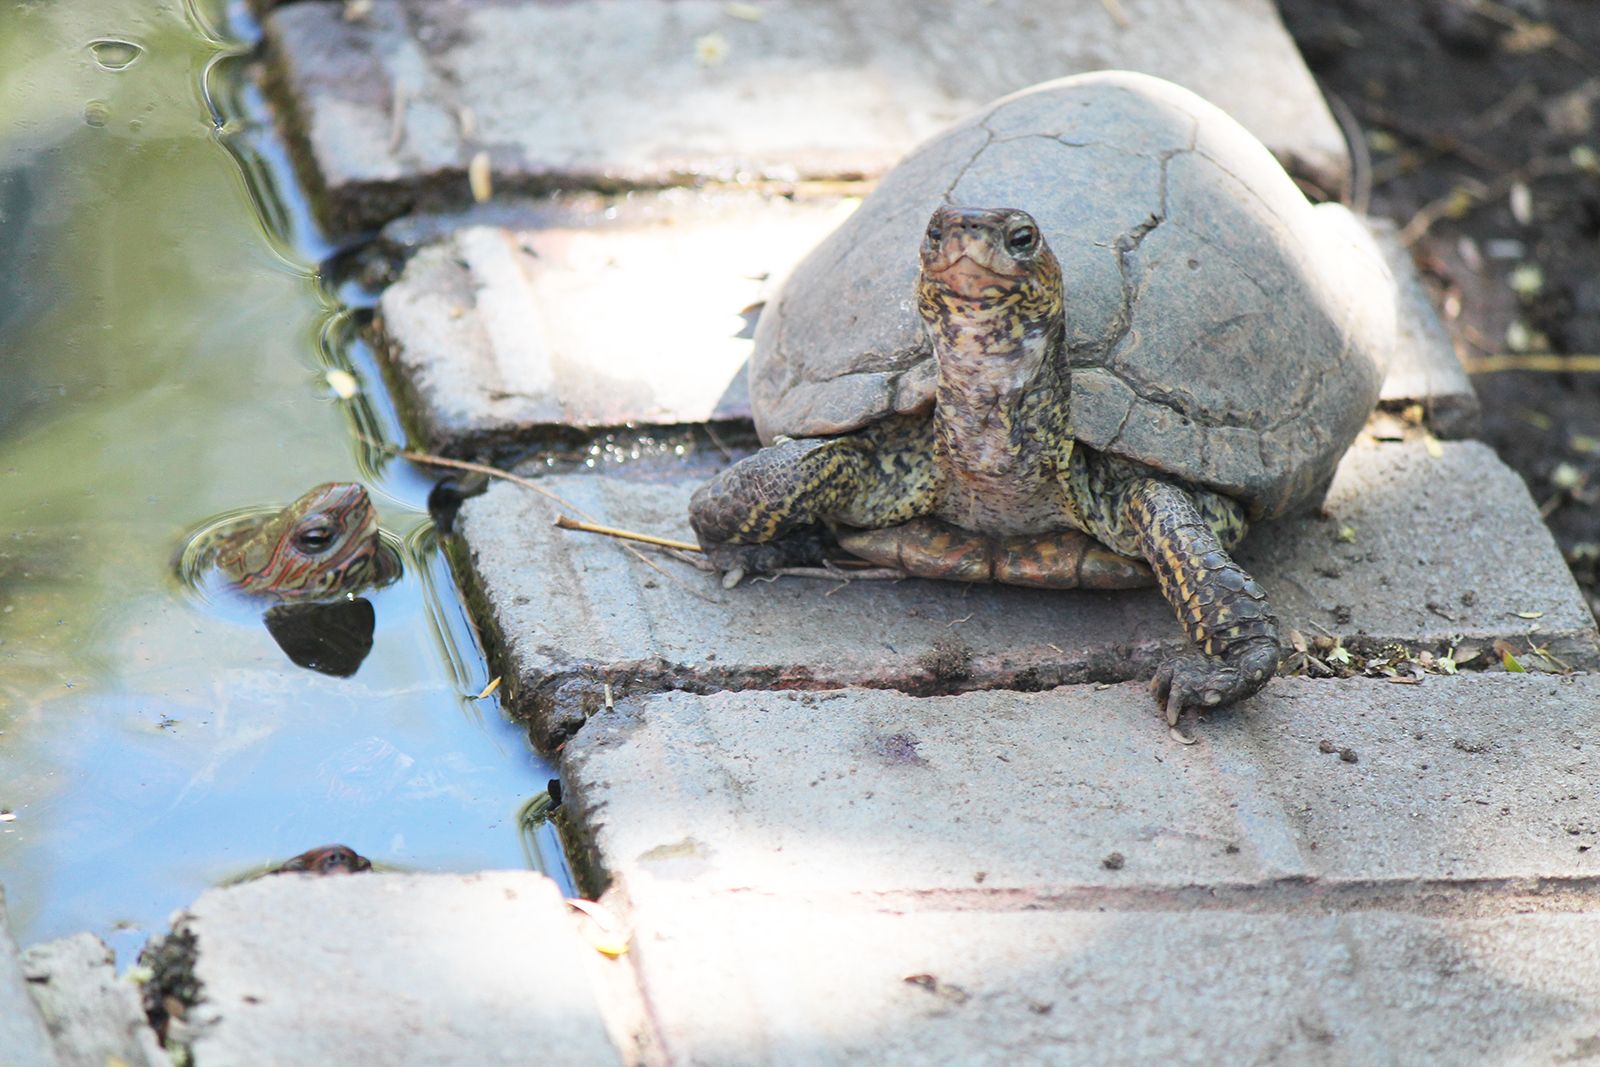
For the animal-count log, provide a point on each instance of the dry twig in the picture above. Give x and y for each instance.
(526, 483)
(1549, 362)
(566, 523)
(683, 551)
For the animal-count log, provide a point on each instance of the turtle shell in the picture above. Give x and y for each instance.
(1219, 327)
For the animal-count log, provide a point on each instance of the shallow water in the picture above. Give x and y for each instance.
(165, 344)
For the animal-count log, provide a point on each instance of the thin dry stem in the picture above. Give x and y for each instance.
(481, 468)
(1548, 362)
(526, 483)
(627, 535)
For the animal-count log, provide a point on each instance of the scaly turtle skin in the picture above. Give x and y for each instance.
(324, 544)
(993, 486)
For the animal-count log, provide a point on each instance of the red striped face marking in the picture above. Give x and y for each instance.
(324, 544)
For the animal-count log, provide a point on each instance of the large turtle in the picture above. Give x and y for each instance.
(1196, 354)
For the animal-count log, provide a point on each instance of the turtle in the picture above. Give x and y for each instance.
(325, 860)
(1084, 339)
(323, 546)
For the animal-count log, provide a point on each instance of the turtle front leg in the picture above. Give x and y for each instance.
(1223, 609)
(771, 510)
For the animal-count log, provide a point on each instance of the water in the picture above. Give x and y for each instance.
(168, 352)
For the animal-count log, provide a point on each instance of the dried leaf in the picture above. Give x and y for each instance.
(1521, 200)
(609, 939)
(747, 12)
(1511, 663)
(1527, 280)
(490, 688)
(1529, 614)
(1431, 443)
(710, 50)
(1529, 37)
(1340, 654)
(1566, 476)
(480, 177)
(1347, 534)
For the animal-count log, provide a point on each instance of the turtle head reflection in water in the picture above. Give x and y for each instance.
(324, 544)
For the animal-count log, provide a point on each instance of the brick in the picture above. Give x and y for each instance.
(758, 981)
(410, 969)
(94, 1017)
(24, 1041)
(1013, 799)
(585, 314)
(1426, 567)
(1425, 369)
(386, 111)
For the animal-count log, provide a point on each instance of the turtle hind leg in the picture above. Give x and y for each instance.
(1064, 559)
(1223, 609)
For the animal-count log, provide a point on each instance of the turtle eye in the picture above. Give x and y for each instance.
(935, 232)
(314, 539)
(1022, 238)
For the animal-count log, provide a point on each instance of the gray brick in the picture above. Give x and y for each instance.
(94, 1017)
(1427, 566)
(1491, 776)
(866, 792)
(1425, 369)
(407, 969)
(522, 321)
(1012, 798)
(24, 1041)
(386, 111)
(588, 313)
(751, 980)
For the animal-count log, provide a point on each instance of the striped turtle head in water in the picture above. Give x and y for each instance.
(324, 544)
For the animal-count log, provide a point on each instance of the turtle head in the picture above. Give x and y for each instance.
(323, 544)
(991, 304)
(988, 264)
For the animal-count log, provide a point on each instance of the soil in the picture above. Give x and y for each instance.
(1481, 123)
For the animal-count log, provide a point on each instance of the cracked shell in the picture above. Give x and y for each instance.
(1219, 327)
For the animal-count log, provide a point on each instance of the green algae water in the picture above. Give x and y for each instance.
(169, 352)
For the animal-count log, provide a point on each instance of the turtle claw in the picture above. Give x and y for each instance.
(1189, 682)
(1198, 681)
(736, 562)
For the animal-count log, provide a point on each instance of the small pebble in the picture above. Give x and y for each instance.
(1114, 861)
(1348, 755)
